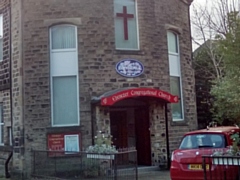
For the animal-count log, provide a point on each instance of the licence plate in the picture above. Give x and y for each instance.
(197, 166)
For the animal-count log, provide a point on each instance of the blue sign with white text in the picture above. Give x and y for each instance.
(129, 68)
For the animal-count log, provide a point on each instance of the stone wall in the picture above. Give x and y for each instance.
(102, 120)
(5, 83)
(158, 133)
(17, 84)
(5, 150)
(5, 64)
(5, 101)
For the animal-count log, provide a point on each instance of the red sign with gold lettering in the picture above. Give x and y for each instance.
(135, 92)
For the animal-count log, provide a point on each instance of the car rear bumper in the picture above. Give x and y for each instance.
(179, 174)
(216, 173)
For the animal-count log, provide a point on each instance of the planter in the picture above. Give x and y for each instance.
(235, 161)
(101, 156)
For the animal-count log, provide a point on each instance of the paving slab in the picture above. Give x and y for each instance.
(155, 175)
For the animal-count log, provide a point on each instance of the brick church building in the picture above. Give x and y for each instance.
(71, 68)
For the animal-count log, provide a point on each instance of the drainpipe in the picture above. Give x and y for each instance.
(10, 71)
(167, 137)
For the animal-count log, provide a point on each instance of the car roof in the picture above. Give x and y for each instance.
(219, 129)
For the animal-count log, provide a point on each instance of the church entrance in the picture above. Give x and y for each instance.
(137, 117)
(130, 128)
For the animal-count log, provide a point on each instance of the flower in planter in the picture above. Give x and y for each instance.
(103, 144)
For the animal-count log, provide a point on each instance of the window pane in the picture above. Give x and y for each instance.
(203, 140)
(175, 90)
(63, 37)
(65, 106)
(1, 124)
(1, 25)
(126, 35)
(1, 49)
(174, 65)
(1, 136)
(172, 42)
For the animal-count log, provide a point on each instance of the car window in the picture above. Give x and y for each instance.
(194, 141)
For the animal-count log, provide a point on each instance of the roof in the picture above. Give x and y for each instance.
(219, 129)
(188, 2)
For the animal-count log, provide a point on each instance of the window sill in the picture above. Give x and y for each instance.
(5, 148)
(179, 123)
(128, 52)
(64, 129)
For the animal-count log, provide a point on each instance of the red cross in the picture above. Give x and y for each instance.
(125, 17)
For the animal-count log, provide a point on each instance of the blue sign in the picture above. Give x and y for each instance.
(129, 68)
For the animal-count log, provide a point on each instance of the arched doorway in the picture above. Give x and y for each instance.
(129, 125)
(136, 117)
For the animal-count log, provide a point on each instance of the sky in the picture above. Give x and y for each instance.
(196, 3)
(211, 6)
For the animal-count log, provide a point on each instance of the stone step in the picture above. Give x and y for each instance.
(147, 169)
(141, 170)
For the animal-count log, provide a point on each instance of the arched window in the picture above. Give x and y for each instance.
(64, 75)
(175, 75)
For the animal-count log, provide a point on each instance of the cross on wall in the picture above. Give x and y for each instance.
(125, 17)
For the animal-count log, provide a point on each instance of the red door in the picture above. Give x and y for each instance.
(143, 136)
(118, 120)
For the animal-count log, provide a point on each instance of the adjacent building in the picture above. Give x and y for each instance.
(71, 68)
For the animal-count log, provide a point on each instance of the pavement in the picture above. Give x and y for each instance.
(155, 175)
(143, 174)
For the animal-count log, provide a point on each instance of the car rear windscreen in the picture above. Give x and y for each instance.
(203, 140)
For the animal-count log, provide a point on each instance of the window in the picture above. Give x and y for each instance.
(10, 135)
(1, 124)
(203, 140)
(175, 75)
(64, 76)
(1, 37)
(126, 25)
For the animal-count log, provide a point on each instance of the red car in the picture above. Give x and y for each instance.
(186, 161)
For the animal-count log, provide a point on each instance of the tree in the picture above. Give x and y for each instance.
(214, 27)
(227, 90)
(204, 73)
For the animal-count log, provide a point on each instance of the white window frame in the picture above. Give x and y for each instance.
(52, 76)
(177, 74)
(1, 32)
(1, 125)
(138, 39)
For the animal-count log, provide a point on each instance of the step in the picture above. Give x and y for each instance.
(141, 170)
